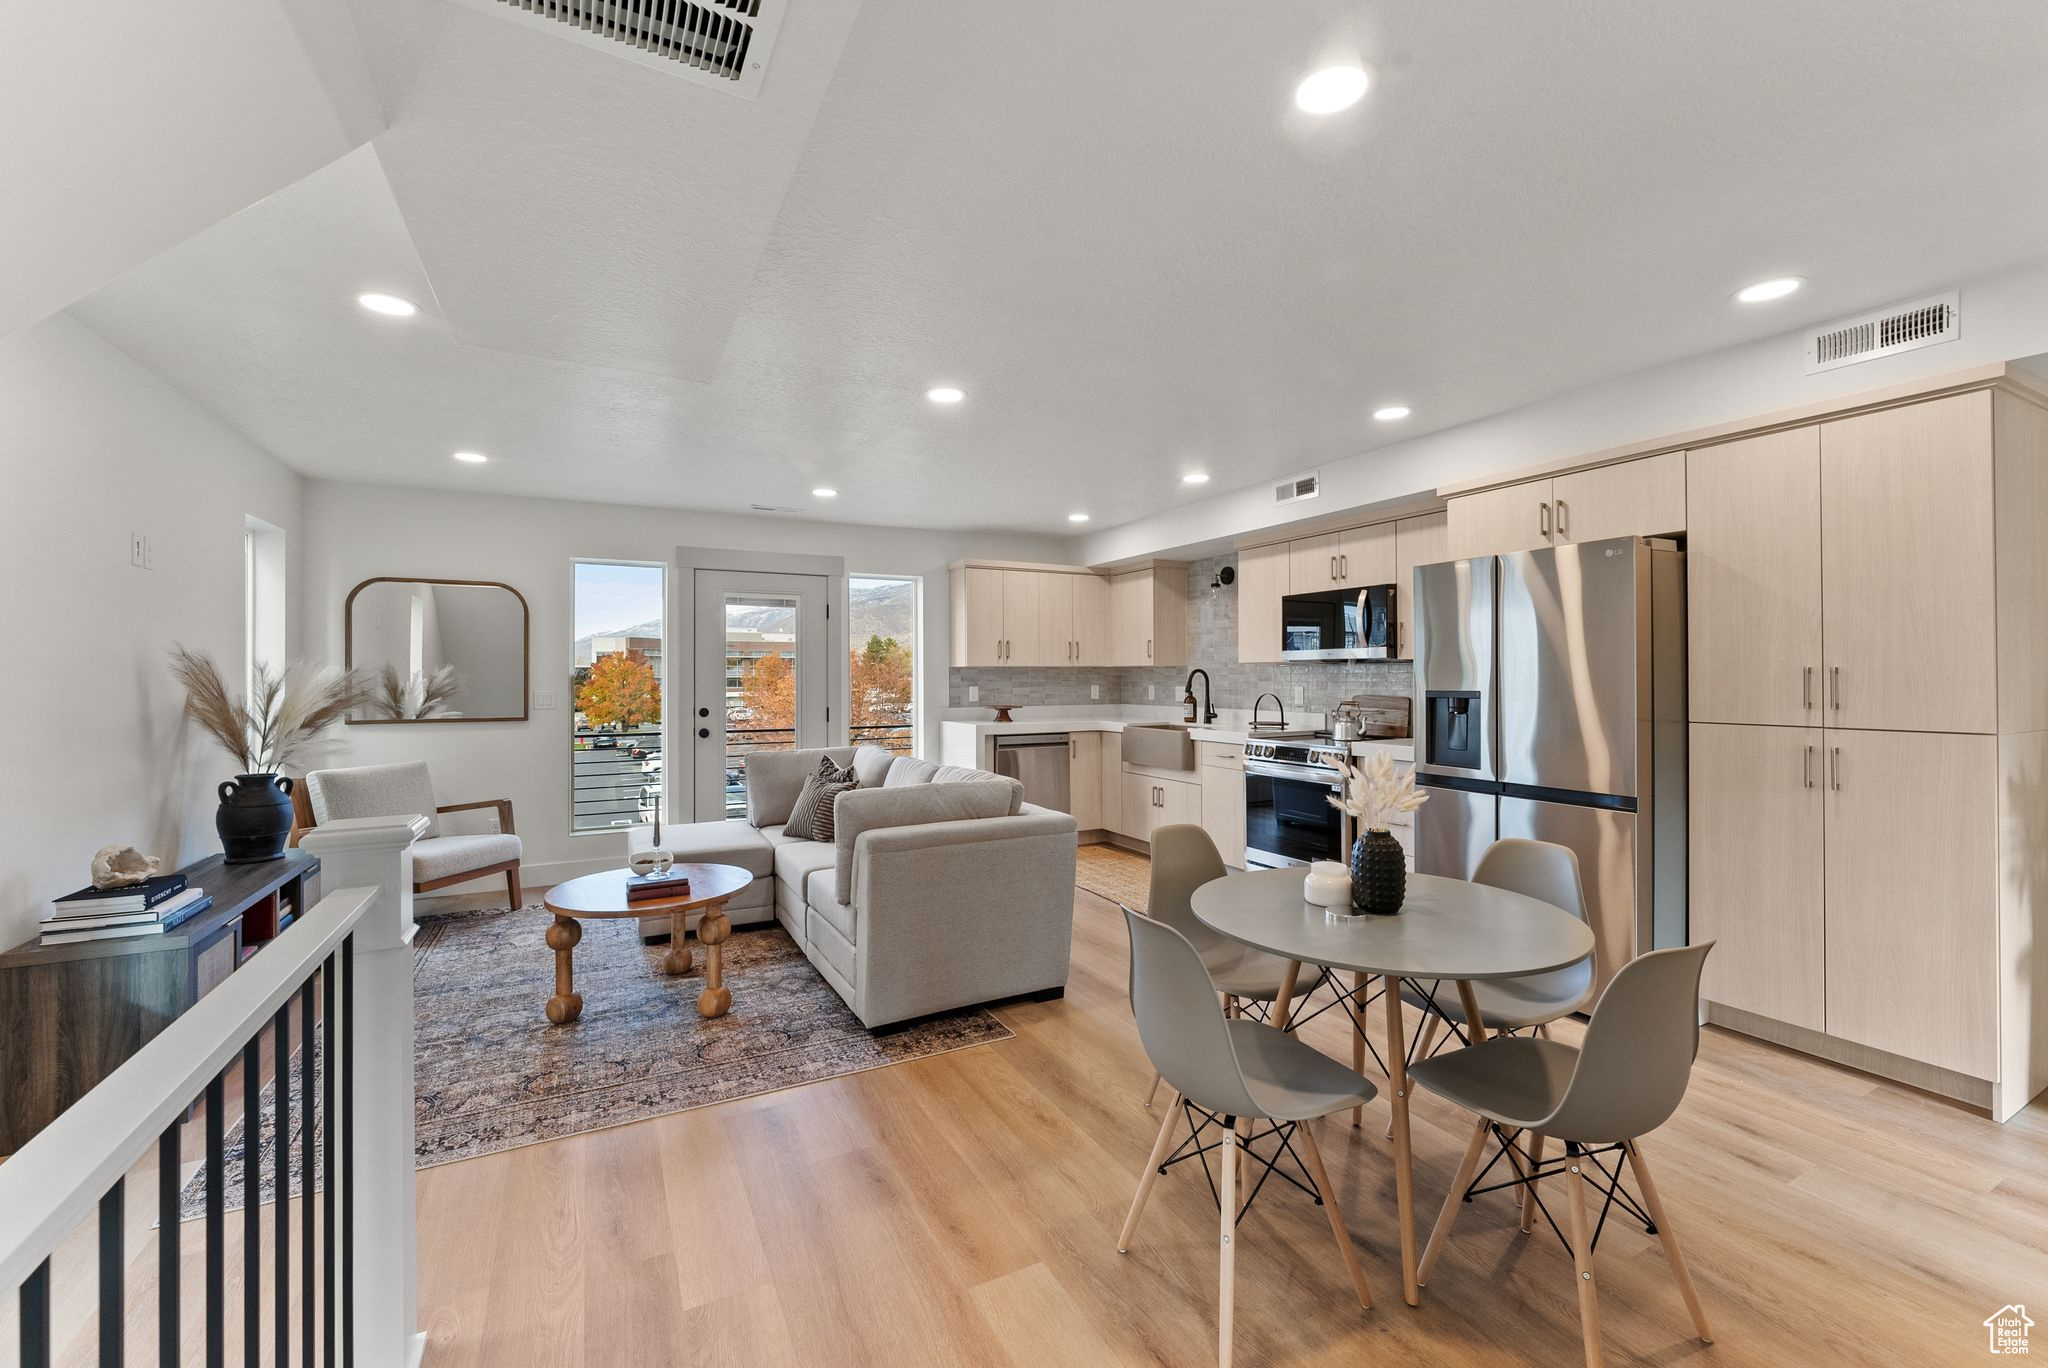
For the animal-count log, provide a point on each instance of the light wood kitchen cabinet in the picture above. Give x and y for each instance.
(1018, 615)
(1493, 522)
(1753, 577)
(1222, 776)
(1642, 498)
(1091, 619)
(1354, 558)
(1110, 783)
(1417, 541)
(1909, 594)
(1084, 779)
(1912, 945)
(1056, 639)
(1150, 802)
(1757, 884)
(1261, 583)
(1148, 615)
(1023, 599)
(977, 616)
(1312, 564)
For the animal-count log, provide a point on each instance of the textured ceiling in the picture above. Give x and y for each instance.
(1105, 222)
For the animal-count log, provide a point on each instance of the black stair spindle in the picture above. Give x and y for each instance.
(329, 996)
(307, 1154)
(113, 1289)
(348, 1151)
(252, 1211)
(280, 1173)
(35, 1318)
(216, 1226)
(169, 1228)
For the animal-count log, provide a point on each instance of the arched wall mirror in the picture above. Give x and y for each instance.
(438, 650)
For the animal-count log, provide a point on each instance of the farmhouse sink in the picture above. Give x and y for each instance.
(1159, 745)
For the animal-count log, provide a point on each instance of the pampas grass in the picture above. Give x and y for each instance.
(1376, 791)
(286, 712)
(417, 697)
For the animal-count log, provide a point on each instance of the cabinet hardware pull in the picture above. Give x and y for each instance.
(1809, 767)
(1343, 567)
(1148, 648)
(1333, 568)
(1543, 518)
(1806, 688)
(1835, 769)
(1835, 687)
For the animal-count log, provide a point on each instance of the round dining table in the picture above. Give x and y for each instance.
(1447, 929)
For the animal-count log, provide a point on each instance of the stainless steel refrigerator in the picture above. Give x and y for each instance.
(1550, 704)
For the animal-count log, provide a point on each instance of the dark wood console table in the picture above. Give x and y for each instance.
(72, 1014)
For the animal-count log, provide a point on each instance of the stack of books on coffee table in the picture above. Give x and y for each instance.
(649, 887)
(145, 909)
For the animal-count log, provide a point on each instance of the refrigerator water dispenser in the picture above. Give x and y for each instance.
(1456, 723)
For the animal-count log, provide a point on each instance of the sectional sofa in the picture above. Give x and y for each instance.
(943, 888)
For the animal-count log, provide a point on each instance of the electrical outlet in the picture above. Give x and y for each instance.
(138, 550)
(974, 693)
(148, 554)
(543, 700)
(1297, 695)
(1151, 692)
(1094, 691)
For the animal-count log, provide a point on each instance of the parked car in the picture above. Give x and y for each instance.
(650, 764)
(604, 741)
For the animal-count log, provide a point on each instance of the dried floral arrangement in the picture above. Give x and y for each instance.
(286, 712)
(417, 697)
(1375, 791)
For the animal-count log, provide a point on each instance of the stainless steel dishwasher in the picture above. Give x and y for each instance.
(1041, 764)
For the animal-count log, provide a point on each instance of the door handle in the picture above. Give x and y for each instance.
(1835, 687)
(1809, 767)
(1835, 769)
(1806, 688)
(1543, 518)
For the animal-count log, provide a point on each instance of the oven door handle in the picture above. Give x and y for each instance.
(1328, 778)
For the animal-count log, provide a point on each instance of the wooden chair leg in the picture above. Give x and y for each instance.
(1226, 1279)
(1536, 1143)
(1337, 1227)
(1582, 1260)
(1669, 1239)
(1151, 1175)
(1441, 1236)
(1152, 1092)
(512, 887)
(1430, 1022)
(1357, 1046)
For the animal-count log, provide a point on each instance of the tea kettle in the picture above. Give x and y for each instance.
(1346, 724)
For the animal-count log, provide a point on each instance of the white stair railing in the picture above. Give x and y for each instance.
(340, 1285)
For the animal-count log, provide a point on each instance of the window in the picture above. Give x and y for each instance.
(263, 586)
(615, 693)
(882, 636)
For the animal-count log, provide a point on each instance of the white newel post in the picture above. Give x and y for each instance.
(370, 852)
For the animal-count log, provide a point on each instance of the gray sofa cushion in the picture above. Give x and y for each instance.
(871, 809)
(774, 778)
(439, 857)
(373, 791)
(822, 897)
(871, 765)
(795, 862)
(731, 842)
(961, 774)
(909, 769)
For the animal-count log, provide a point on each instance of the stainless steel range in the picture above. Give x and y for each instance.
(1288, 819)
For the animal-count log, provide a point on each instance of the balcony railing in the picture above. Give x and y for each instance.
(614, 778)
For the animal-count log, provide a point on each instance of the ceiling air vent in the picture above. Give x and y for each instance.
(1903, 327)
(713, 42)
(1299, 488)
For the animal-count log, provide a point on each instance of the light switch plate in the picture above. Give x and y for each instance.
(543, 700)
(974, 693)
(138, 550)
(1094, 691)
(1297, 695)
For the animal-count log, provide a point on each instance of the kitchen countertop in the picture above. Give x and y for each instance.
(1402, 748)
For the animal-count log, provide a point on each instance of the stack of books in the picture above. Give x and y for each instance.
(145, 909)
(647, 887)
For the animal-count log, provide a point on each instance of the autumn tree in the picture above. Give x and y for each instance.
(881, 683)
(620, 691)
(768, 692)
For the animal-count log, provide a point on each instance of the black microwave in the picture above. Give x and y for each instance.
(1339, 624)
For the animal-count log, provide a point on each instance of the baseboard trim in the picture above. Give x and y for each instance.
(1973, 1092)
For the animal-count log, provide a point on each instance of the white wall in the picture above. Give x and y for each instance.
(92, 745)
(2004, 318)
(356, 531)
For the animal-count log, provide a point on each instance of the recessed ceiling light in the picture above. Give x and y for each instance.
(388, 304)
(1077, 517)
(1391, 413)
(1768, 289)
(1331, 89)
(1195, 477)
(471, 457)
(945, 394)
(823, 493)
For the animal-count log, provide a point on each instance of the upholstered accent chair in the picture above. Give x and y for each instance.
(439, 859)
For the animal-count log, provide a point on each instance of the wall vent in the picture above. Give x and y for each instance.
(723, 43)
(1902, 327)
(1299, 488)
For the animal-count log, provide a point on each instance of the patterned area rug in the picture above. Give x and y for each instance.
(1114, 873)
(492, 1074)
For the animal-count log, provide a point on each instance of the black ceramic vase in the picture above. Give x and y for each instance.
(1379, 874)
(255, 817)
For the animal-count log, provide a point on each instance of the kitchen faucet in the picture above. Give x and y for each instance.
(1208, 712)
(1282, 723)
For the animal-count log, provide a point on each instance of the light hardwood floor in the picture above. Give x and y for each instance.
(963, 1210)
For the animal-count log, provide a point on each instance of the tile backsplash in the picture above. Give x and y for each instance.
(1212, 645)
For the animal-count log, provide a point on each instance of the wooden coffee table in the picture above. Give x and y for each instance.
(604, 896)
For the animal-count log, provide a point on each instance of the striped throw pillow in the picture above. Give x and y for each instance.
(811, 818)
